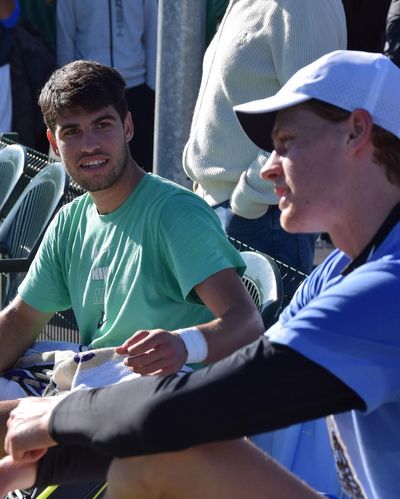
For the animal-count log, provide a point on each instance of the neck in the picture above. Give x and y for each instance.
(109, 200)
(354, 233)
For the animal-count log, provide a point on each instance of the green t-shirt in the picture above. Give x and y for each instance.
(132, 269)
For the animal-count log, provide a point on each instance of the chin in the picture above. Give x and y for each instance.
(294, 223)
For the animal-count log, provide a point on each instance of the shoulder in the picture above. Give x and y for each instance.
(76, 208)
(172, 195)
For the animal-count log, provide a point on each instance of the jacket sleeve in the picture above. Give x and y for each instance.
(66, 29)
(150, 40)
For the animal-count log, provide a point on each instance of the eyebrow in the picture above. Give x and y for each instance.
(103, 117)
(273, 135)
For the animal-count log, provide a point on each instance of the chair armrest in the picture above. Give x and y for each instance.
(9, 265)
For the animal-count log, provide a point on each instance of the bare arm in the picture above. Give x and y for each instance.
(20, 325)
(237, 322)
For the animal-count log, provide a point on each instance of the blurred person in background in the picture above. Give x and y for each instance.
(121, 34)
(9, 14)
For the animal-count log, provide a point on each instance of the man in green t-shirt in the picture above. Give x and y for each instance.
(143, 262)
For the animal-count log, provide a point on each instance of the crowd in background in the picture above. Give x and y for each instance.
(40, 35)
(29, 46)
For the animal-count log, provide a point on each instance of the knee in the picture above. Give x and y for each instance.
(154, 476)
(127, 478)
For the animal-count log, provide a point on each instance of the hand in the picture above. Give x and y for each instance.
(28, 437)
(154, 352)
(15, 475)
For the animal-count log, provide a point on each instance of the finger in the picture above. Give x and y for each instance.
(138, 336)
(148, 344)
(30, 456)
(145, 359)
(164, 366)
(16, 475)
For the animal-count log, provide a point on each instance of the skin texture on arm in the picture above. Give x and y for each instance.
(20, 325)
(237, 323)
(237, 320)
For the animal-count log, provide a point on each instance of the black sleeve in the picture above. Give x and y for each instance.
(259, 388)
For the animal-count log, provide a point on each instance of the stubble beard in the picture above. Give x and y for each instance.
(100, 184)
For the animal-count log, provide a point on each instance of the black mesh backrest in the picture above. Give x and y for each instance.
(30, 220)
(12, 162)
(24, 226)
(6, 175)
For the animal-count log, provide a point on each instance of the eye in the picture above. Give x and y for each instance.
(103, 124)
(70, 131)
(282, 142)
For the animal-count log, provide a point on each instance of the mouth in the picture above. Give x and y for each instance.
(93, 164)
(281, 191)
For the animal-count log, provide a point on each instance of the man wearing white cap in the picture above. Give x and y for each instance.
(335, 350)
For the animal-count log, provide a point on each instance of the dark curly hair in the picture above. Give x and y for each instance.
(82, 84)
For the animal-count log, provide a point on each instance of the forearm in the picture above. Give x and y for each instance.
(20, 325)
(13, 343)
(238, 327)
(237, 321)
(260, 388)
(6, 406)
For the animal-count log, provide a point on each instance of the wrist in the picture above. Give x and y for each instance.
(195, 343)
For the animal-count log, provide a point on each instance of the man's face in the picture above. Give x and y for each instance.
(93, 146)
(308, 169)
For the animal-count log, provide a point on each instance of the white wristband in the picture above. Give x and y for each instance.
(195, 343)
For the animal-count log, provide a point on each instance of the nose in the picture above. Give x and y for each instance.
(272, 169)
(89, 142)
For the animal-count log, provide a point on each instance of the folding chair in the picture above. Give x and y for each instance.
(12, 163)
(263, 281)
(24, 226)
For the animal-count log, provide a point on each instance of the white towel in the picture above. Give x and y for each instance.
(92, 369)
(71, 366)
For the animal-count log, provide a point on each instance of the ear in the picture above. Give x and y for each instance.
(53, 142)
(128, 127)
(359, 131)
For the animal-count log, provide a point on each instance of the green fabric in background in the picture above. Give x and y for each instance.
(42, 14)
(215, 12)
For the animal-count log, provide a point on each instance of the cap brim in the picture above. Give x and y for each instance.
(257, 117)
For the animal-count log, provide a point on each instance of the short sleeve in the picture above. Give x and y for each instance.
(44, 286)
(185, 232)
(352, 329)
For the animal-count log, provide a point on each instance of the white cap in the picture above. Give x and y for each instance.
(347, 79)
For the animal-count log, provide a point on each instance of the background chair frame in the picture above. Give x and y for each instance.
(24, 226)
(12, 165)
